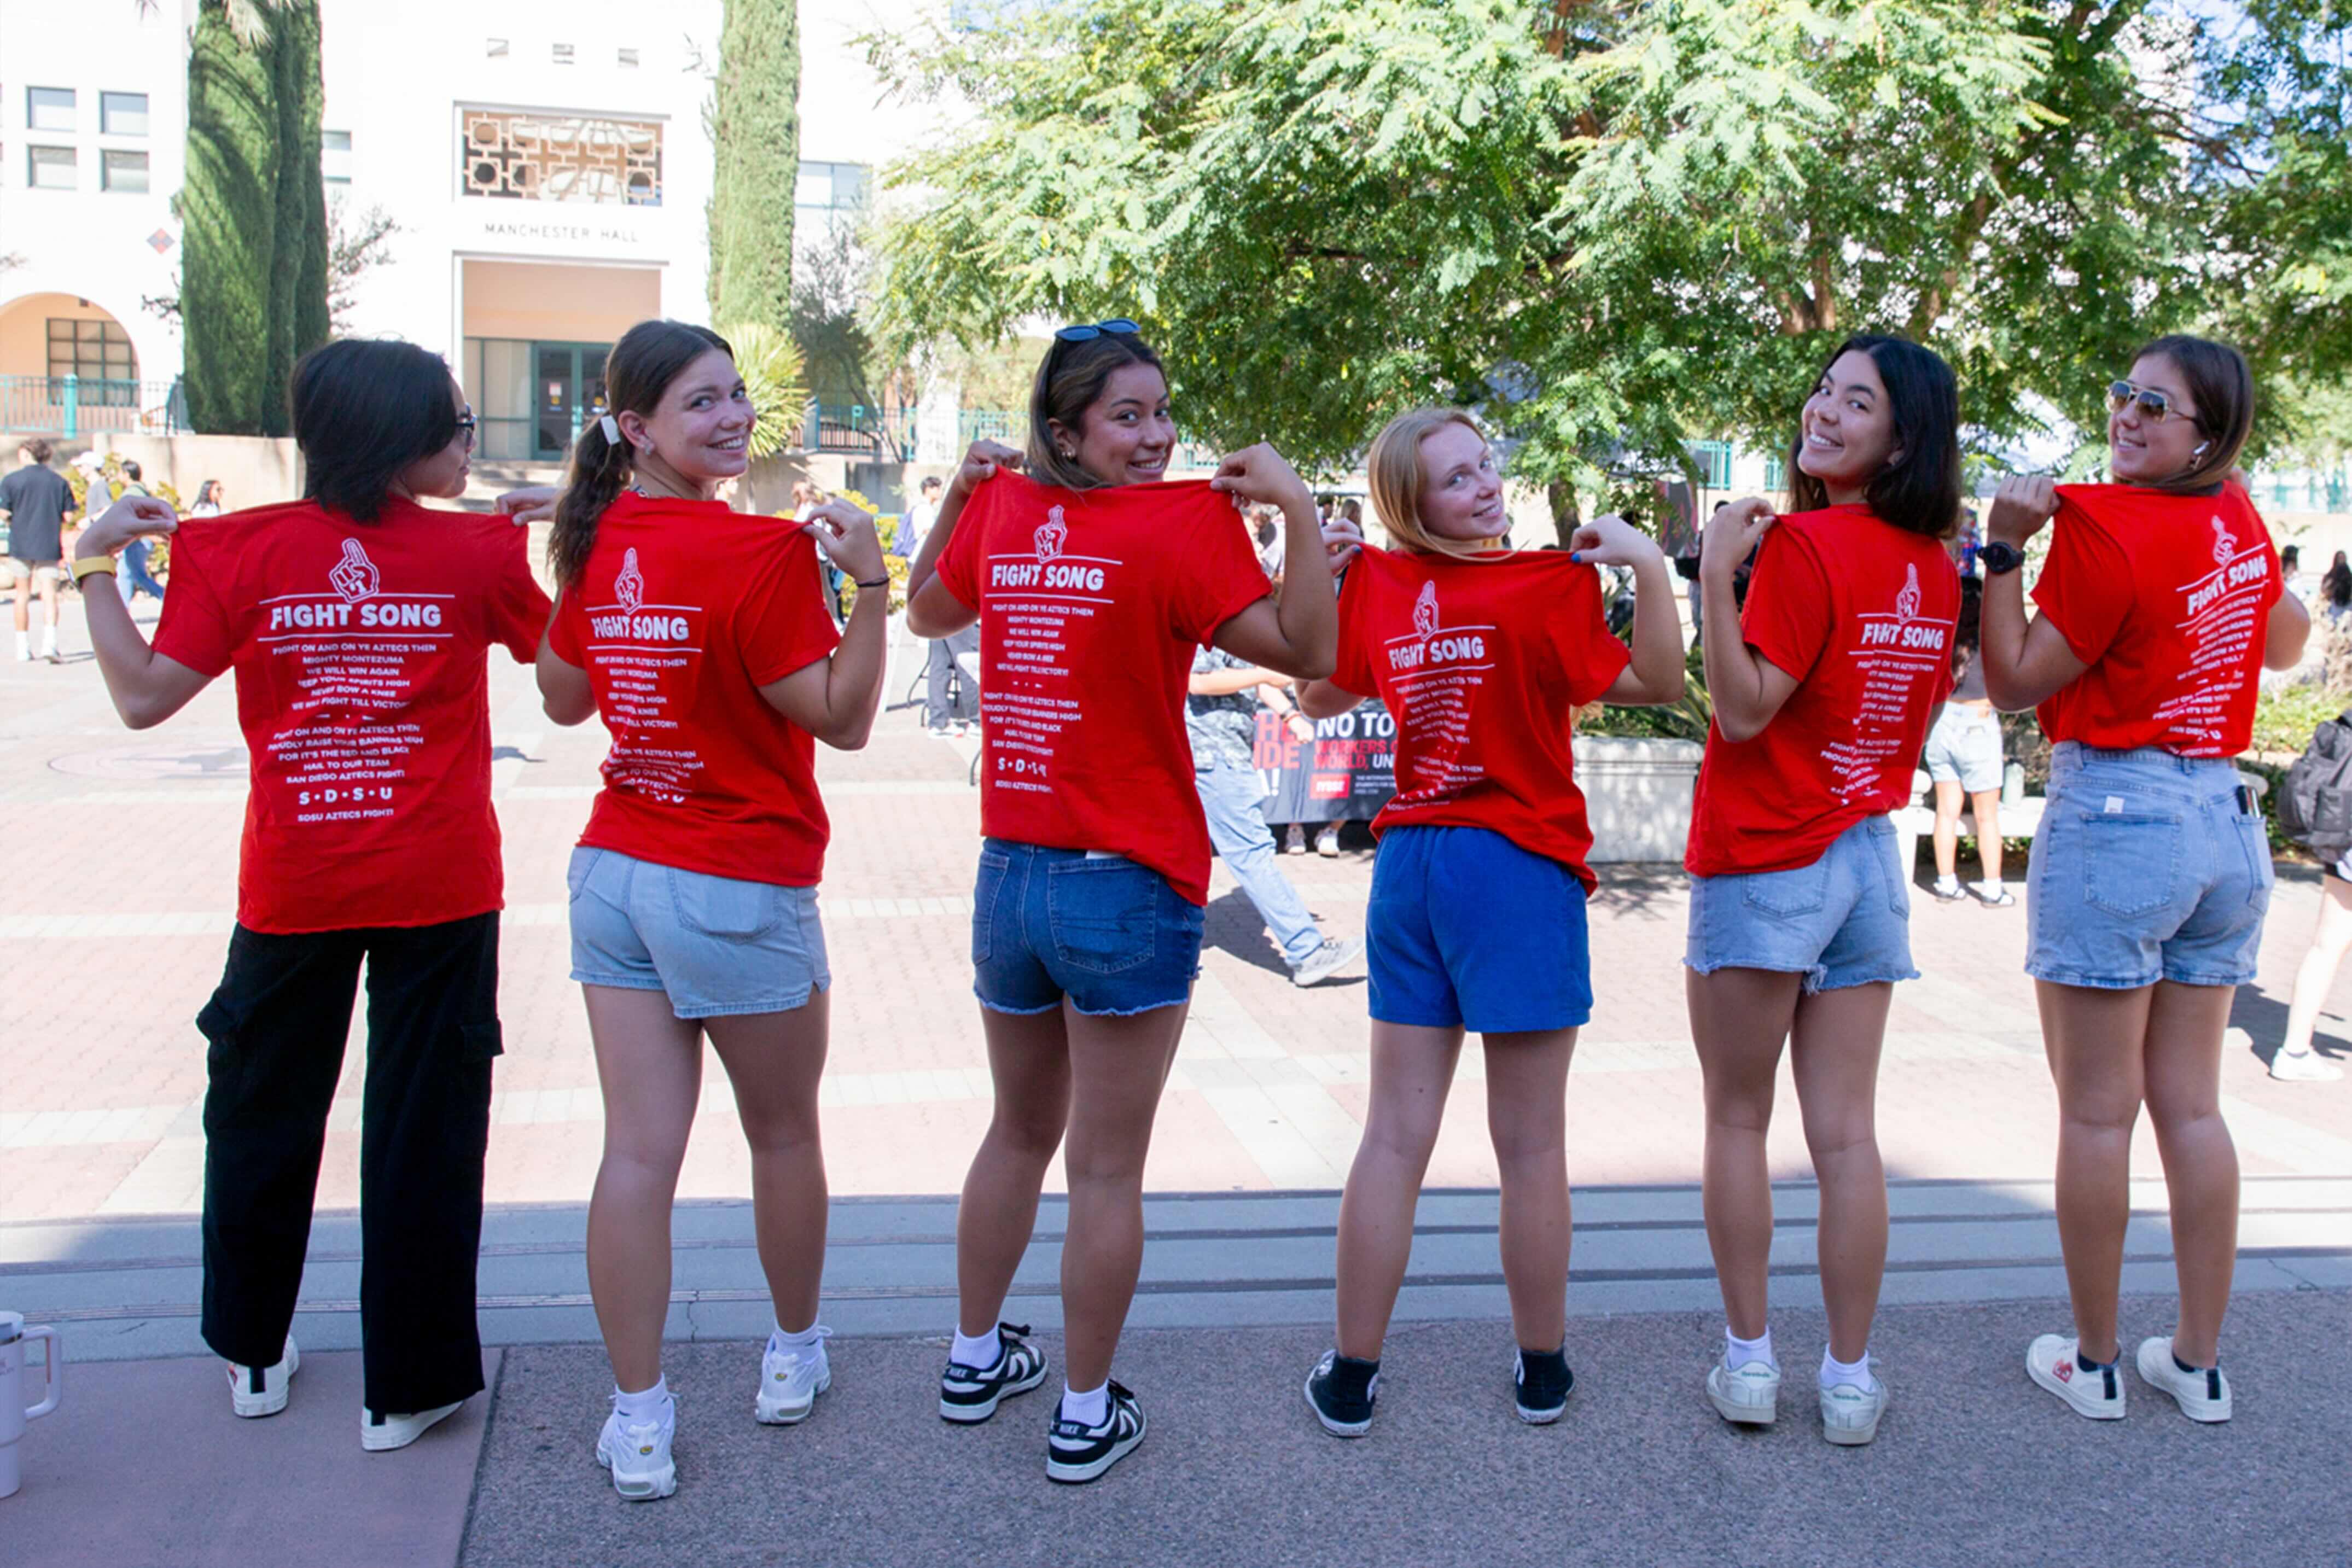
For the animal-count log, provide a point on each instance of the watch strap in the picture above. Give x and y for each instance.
(93, 565)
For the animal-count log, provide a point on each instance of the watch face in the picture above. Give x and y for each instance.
(2000, 558)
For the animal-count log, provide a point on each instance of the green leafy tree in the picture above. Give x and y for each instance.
(755, 134)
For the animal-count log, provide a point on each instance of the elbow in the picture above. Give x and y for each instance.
(138, 715)
(848, 734)
(1669, 687)
(1735, 729)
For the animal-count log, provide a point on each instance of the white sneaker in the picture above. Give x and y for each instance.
(1749, 1396)
(1849, 1414)
(2203, 1396)
(637, 1453)
(2053, 1360)
(1327, 842)
(262, 1390)
(381, 1433)
(1327, 960)
(790, 1381)
(2303, 1067)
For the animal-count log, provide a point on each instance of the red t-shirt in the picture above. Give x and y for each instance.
(684, 611)
(2167, 599)
(1091, 602)
(1860, 612)
(362, 688)
(1482, 664)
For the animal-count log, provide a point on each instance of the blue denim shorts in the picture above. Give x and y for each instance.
(1103, 931)
(1964, 748)
(1845, 920)
(1467, 930)
(2145, 869)
(716, 945)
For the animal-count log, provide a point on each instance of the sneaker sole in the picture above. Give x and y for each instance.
(972, 1414)
(384, 1440)
(256, 1405)
(1744, 1415)
(1079, 1475)
(2067, 1396)
(1540, 1418)
(782, 1414)
(1337, 1429)
(651, 1489)
(1853, 1437)
(2202, 1412)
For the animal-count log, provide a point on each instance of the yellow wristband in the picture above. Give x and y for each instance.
(91, 566)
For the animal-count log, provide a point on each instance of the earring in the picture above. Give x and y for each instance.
(1068, 456)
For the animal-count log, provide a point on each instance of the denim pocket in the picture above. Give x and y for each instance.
(994, 869)
(1884, 846)
(722, 906)
(2254, 839)
(2130, 860)
(1802, 890)
(1104, 913)
(575, 873)
(224, 1063)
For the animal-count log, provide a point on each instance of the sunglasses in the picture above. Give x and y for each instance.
(1081, 334)
(2155, 404)
(465, 425)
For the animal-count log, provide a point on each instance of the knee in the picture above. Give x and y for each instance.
(1736, 1111)
(1529, 1147)
(1028, 1134)
(1103, 1163)
(782, 1135)
(1843, 1140)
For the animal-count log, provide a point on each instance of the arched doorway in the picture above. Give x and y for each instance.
(69, 369)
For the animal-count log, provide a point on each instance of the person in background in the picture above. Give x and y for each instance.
(2336, 589)
(131, 573)
(211, 501)
(2295, 1061)
(1964, 757)
(2291, 576)
(914, 522)
(1268, 523)
(34, 500)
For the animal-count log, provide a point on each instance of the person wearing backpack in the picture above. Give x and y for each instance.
(2315, 809)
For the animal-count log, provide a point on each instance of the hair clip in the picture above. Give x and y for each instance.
(611, 430)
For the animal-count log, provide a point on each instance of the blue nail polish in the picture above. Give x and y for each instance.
(1576, 557)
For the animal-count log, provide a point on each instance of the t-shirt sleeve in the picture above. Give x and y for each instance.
(958, 563)
(1354, 670)
(563, 632)
(195, 629)
(1223, 577)
(518, 606)
(11, 489)
(2086, 587)
(1590, 653)
(1788, 614)
(782, 625)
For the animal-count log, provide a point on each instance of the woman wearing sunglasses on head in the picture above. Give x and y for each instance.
(358, 624)
(1799, 911)
(1093, 581)
(2160, 606)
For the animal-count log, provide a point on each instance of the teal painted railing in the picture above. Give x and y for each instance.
(71, 407)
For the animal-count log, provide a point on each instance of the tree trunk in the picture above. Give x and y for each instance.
(1565, 517)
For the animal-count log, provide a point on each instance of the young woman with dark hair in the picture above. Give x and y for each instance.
(1799, 911)
(1094, 581)
(1482, 655)
(2161, 606)
(699, 636)
(358, 624)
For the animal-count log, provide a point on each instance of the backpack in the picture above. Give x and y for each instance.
(2315, 803)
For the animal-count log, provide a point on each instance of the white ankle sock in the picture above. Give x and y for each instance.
(1738, 1352)
(23, 645)
(982, 1352)
(1990, 889)
(48, 640)
(1856, 1374)
(645, 1407)
(1947, 885)
(785, 1339)
(1092, 1408)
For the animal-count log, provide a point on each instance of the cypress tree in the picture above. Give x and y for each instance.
(298, 277)
(756, 138)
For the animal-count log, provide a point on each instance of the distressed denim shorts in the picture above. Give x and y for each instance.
(716, 945)
(1845, 920)
(1964, 748)
(1467, 930)
(2147, 867)
(1110, 934)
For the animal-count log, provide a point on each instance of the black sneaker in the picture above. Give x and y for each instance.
(1539, 1386)
(1077, 1452)
(968, 1394)
(1340, 1391)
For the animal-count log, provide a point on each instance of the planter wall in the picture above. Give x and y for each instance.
(1637, 793)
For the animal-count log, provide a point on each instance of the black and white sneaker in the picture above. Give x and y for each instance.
(968, 1394)
(1077, 1452)
(1341, 1391)
(1539, 1386)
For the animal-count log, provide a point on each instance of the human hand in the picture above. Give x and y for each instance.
(1609, 540)
(1342, 542)
(846, 534)
(530, 503)
(1301, 727)
(2022, 503)
(1731, 534)
(133, 518)
(1261, 474)
(981, 463)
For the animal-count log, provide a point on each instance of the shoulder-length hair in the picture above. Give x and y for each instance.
(1919, 491)
(1070, 379)
(364, 408)
(2222, 387)
(1397, 477)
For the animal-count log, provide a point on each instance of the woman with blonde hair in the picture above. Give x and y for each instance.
(1481, 655)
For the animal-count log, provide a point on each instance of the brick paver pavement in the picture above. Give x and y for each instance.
(116, 906)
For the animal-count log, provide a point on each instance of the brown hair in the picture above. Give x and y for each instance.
(2223, 389)
(1919, 492)
(1070, 381)
(1396, 476)
(37, 449)
(649, 356)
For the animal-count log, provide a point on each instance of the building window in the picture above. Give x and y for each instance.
(49, 109)
(1714, 463)
(496, 48)
(51, 168)
(335, 157)
(93, 350)
(123, 113)
(563, 53)
(519, 155)
(119, 171)
(830, 187)
(629, 59)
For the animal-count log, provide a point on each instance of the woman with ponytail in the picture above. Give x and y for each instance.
(700, 637)
(2161, 606)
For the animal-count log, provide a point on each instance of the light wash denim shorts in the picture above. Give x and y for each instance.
(717, 946)
(1845, 920)
(1106, 933)
(2148, 866)
(1964, 748)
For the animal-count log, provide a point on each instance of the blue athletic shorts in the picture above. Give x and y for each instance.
(1845, 920)
(1106, 933)
(717, 945)
(1466, 930)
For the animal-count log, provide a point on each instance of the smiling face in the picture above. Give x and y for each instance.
(1126, 436)
(1848, 428)
(1461, 488)
(443, 473)
(2141, 450)
(701, 429)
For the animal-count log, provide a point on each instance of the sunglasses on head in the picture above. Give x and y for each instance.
(2155, 404)
(1081, 334)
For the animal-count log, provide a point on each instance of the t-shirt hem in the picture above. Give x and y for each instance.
(1816, 843)
(734, 870)
(300, 927)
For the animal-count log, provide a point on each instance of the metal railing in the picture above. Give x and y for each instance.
(75, 406)
(884, 436)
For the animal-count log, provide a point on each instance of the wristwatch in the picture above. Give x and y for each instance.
(1999, 558)
(91, 565)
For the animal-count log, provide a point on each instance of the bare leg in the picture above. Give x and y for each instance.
(1527, 1114)
(775, 1062)
(1986, 804)
(1833, 1053)
(2185, 1025)
(1947, 827)
(48, 587)
(1029, 1062)
(1738, 1019)
(1413, 1069)
(2329, 940)
(649, 1062)
(23, 596)
(2095, 1042)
